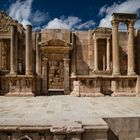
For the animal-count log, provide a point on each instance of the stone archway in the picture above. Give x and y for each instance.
(55, 66)
(129, 19)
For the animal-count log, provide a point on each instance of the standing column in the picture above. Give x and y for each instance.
(115, 44)
(28, 56)
(38, 62)
(95, 55)
(108, 54)
(44, 76)
(130, 48)
(0, 54)
(66, 76)
(73, 73)
(13, 49)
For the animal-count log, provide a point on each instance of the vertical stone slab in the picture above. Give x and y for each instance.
(28, 56)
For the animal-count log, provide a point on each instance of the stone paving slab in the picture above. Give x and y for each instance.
(49, 110)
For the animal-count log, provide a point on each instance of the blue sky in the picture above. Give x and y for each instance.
(68, 14)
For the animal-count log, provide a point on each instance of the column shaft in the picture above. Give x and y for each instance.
(115, 45)
(0, 54)
(66, 76)
(108, 54)
(38, 62)
(44, 76)
(95, 55)
(28, 56)
(131, 49)
(13, 49)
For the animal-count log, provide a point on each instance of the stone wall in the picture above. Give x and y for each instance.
(82, 55)
(61, 34)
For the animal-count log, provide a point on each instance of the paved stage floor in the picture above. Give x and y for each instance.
(53, 109)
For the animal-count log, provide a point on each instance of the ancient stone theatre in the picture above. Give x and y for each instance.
(98, 62)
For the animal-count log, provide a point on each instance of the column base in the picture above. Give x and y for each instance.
(119, 94)
(20, 94)
(131, 73)
(12, 73)
(91, 94)
(116, 74)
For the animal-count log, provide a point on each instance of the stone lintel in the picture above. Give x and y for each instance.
(124, 16)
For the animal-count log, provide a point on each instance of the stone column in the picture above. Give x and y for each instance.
(66, 76)
(38, 62)
(13, 49)
(130, 48)
(28, 56)
(73, 60)
(115, 45)
(0, 54)
(108, 54)
(95, 55)
(44, 76)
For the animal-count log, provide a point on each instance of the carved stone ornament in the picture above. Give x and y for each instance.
(6, 22)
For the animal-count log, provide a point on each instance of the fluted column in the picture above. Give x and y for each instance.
(28, 56)
(108, 54)
(13, 49)
(95, 55)
(115, 45)
(66, 76)
(130, 48)
(38, 62)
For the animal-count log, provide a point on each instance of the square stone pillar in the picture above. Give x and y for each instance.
(66, 76)
(13, 52)
(45, 76)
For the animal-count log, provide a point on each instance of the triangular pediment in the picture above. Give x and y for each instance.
(102, 30)
(6, 22)
(55, 42)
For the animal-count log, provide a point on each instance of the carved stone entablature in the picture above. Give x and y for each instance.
(123, 17)
(6, 22)
(102, 32)
(55, 46)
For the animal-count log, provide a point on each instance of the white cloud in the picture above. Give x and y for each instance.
(22, 11)
(129, 6)
(70, 22)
